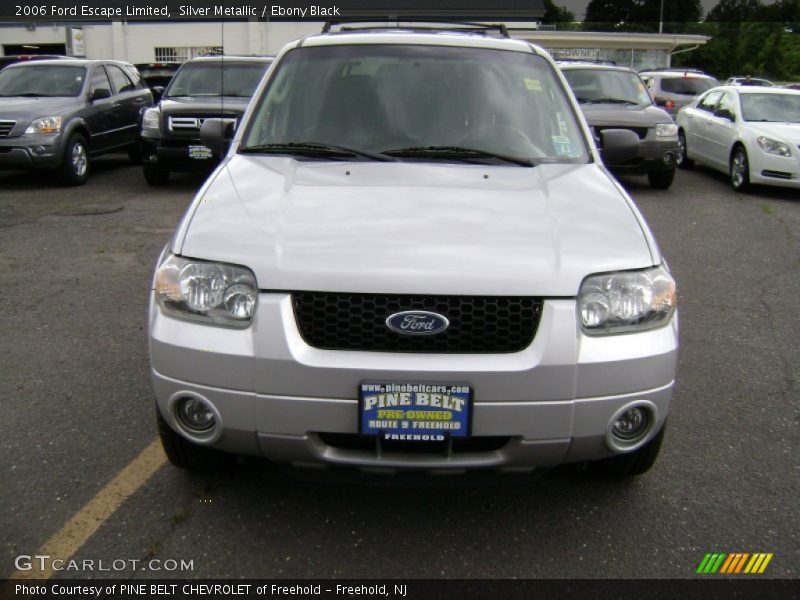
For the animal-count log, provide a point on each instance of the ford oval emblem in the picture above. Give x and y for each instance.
(417, 322)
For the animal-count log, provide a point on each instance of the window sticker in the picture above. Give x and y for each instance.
(533, 85)
(563, 146)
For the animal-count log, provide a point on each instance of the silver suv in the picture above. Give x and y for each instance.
(673, 89)
(412, 258)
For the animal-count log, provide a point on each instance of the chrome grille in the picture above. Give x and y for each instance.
(192, 123)
(6, 127)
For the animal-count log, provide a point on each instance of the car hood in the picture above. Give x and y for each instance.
(26, 109)
(415, 228)
(624, 116)
(789, 132)
(204, 104)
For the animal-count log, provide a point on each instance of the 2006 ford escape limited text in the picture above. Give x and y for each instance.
(413, 259)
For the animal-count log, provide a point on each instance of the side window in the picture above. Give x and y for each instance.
(726, 103)
(99, 80)
(709, 102)
(121, 81)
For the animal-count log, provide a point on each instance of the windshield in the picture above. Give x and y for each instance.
(687, 86)
(417, 102)
(783, 108)
(42, 80)
(217, 78)
(607, 85)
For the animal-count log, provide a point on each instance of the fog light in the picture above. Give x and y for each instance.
(631, 424)
(668, 159)
(195, 414)
(39, 150)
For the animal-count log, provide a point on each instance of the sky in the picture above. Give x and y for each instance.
(578, 7)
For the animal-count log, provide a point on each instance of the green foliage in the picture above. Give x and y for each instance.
(556, 14)
(749, 37)
(641, 15)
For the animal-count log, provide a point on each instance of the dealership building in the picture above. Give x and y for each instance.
(154, 41)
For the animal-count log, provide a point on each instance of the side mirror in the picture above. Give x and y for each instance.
(100, 94)
(217, 134)
(618, 145)
(158, 91)
(725, 114)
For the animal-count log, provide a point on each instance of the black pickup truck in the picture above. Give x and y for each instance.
(205, 87)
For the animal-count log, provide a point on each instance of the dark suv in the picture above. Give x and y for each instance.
(613, 97)
(57, 114)
(212, 86)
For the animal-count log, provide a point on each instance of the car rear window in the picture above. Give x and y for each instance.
(687, 86)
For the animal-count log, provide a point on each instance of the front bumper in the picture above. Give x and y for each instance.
(654, 155)
(277, 397)
(771, 169)
(172, 154)
(39, 151)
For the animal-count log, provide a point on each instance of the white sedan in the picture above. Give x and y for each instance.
(751, 133)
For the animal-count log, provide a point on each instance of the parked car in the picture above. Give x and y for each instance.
(614, 97)
(751, 133)
(12, 59)
(157, 76)
(673, 89)
(752, 81)
(204, 87)
(792, 86)
(58, 114)
(412, 259)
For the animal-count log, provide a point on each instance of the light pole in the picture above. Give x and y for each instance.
(661, 18)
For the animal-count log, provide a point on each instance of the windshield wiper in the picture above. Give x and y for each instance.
(456, 152)
(313, 149)
(608, 101)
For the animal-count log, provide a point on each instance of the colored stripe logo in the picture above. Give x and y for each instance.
(734, 563)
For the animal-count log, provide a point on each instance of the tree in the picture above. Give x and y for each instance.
(556, 14)
(642, 15)
(609, 15)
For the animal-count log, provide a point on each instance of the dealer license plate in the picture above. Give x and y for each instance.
(419, 412)
(200, 152)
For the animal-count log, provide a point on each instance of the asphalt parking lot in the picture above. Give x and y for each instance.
(75, 268)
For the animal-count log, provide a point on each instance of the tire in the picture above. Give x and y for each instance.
(135, 154)
(661, 180)
(682, 160)
(154, 176)
(190, 456)
(74, 169)
(739, 170)
(632, 463)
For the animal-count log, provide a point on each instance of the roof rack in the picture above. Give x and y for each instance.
(674, 70)
(422, 26)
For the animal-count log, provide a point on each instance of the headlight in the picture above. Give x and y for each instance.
(45, 125)
(151, 119)
(206, 291)
(771, 146)
(626, 301)
(666, 130)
